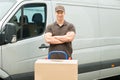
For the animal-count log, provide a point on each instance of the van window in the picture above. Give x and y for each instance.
(30, 20)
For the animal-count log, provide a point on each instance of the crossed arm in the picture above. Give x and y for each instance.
(59, 39)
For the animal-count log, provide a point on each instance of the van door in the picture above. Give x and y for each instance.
(19, 57)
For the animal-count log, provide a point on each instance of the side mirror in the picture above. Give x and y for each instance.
(10, 33)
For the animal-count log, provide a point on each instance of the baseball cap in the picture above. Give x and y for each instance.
(61, 8)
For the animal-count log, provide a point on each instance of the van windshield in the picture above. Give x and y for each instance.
(5, 6)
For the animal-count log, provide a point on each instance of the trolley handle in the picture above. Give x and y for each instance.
(58, 52)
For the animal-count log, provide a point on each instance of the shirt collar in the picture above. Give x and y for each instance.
(65, 23)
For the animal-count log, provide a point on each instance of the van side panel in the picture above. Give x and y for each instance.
(109, 12)
(97, 40)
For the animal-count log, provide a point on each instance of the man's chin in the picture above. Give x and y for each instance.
(60, 19)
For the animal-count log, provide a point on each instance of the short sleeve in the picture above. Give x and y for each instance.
(72, 28)
(48, 29)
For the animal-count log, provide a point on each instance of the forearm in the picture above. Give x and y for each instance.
(51, 40)
(54, 41)
(62, 38)
(66, 38)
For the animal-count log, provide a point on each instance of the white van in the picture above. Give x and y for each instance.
(96, 45)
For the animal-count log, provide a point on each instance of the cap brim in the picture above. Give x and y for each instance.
(59, 10)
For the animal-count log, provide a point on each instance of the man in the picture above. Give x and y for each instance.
(60, 34)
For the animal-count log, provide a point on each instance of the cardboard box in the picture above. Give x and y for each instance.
(56, 69)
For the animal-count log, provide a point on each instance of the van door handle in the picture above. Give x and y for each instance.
(43, 46)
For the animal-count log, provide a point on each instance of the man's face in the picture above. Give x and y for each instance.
(60, 15)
